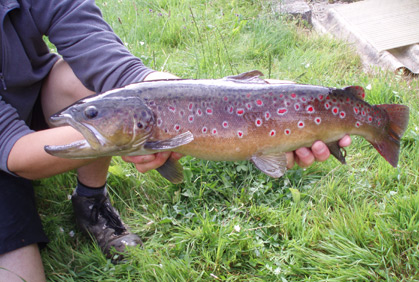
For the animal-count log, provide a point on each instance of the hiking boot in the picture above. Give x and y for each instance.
(96, 216)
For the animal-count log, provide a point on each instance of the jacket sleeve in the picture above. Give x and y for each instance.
(82, 37)
(12, 128)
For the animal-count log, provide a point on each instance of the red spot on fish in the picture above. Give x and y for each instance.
(177, 127)
(293, 95)
(190, 106)
(172, 109)
(335, 110)
(191, 118)
(248, 95)
(303, 99)
(334, 100)
(364, 113)
(159, 122)
(328, 97)
(357, 124)
(214, 131)
(327, 105)
(282, 111)
(369, 118)
(348, 100)
(225, 98)
(225, 124)
(199, 112)
(240, 134)
(272, 133)
(204, 129)
(356, 110)
(181, 113)
(287, 131)
(296, 106)
(209, 111)
(281, 96)
(379, 123)
(260, 102)
(320, 97)
(301, 124)
(342, 114)
(310, 109)
(267, 115)
(248, 106)
(317, 120)
(258, 122)
(231, 109)
(240, 112)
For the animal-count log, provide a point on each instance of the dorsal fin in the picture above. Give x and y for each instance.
(247, 77)
(357, 91)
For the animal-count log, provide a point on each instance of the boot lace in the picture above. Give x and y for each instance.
(101, 207)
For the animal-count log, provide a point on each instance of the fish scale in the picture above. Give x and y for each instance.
(236, 118)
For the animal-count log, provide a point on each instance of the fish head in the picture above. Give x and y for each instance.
(111, 125)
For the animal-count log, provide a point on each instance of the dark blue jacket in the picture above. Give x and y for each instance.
(84, 40)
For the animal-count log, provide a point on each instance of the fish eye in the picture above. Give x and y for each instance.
(91, 112)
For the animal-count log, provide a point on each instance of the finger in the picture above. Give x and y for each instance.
(139, 159)
(290, 159)
(160, 159)
(320, 151)
(304, 157)
(176, 156)
(345, 141)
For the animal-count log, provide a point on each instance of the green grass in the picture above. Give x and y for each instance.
(228, 221)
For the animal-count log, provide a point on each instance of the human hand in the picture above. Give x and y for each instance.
(304, 157)
(145, 163)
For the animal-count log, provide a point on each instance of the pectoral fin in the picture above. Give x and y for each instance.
(168, 144)
(172, 170)
(338, 152)
(274, 165)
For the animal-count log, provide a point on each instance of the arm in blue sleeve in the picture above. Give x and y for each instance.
(94, 52)
(11, 130)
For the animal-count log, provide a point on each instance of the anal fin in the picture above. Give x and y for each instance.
(172, 170)
(274, 165)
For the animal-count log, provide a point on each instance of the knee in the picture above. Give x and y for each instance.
(61, 88)
(64, 81)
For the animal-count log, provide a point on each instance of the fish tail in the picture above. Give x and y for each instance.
(388, 144)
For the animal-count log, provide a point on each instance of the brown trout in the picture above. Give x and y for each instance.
(239, 117)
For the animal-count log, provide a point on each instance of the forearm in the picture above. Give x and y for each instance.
(28, 158)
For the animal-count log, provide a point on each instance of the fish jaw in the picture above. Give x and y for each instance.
(93, 137)
(80, 150)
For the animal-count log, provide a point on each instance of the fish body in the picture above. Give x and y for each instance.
(236, 118)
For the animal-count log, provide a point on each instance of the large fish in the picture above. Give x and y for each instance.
(236, 118)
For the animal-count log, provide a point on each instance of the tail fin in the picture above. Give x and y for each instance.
(389, 143)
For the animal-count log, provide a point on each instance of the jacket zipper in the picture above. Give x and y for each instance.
(3, 64)
(3, 83)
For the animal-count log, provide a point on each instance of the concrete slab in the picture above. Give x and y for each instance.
(385, 32)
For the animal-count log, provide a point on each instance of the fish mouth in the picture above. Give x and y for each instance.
(79, 149)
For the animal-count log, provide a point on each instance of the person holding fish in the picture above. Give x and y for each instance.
(34, 84)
